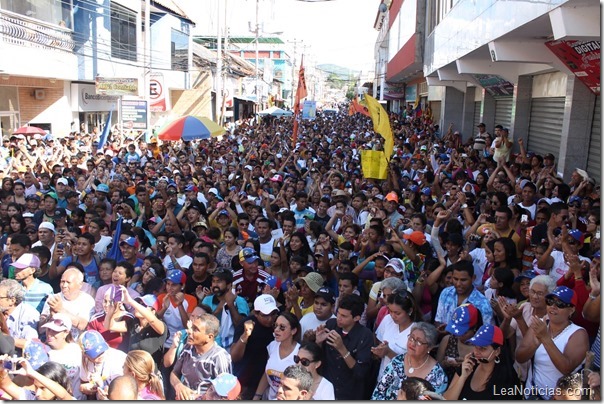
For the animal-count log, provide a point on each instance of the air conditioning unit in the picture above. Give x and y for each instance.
(39, 94)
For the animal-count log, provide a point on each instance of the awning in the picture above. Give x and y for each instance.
(244, 98)
(394, 96)
(193, 102)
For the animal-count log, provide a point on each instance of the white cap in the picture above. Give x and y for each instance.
(213, 191)
(47, 225)
(265, 304)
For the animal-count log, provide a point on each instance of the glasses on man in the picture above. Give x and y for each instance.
(302, 361)
(536, 294)
(574, 205)
(558, 303)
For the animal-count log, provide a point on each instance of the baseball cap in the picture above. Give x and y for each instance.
(227, 385)
(176, 276)
(62, 181)
(528, 274)
(148, 300)
(309, 216)
(201, 223)
(486, 335)
(33, 196)
(397, 264)
(416, 237)
(276, 178)
(314, 281)
(272, 281)
(265, 304)
(102, 188)
(549, 156)
(190, 188)
(326, 294)
(575, 198)
(93, 344)
(577, 235)
(427, 191)
(47, 225)
(464, 318)
(565, 294)
(59, 322)
(131, 241)
(60, 213)
(392, 196)
(27, 260)
(248, 255)
(36, 353)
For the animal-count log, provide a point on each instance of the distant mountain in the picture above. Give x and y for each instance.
(342, 72)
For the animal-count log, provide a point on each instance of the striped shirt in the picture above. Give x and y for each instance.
(197, 370)
(37, 294)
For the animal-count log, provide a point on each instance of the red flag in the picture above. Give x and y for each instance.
(359, 108)
(300, 93)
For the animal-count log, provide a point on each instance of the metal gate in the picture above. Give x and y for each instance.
(503, 111)
(435, 107)
(594, 156)
(545, 127)
(477, 107)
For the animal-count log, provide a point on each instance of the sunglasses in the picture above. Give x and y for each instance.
(574, 205)
(558, 303)
(281, 327)
(302, 361)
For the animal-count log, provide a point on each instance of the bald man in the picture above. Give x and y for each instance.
(79, 306)
(123, 388)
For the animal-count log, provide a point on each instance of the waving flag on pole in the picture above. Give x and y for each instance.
(357, 107)
(115, 252)
(300, 94)
(105, 132)
(381, 123)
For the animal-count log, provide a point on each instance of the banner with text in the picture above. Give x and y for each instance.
(134, 114)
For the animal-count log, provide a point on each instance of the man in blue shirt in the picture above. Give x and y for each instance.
(27, 267)
(462, 291)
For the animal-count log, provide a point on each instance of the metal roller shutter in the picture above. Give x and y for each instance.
(435, 106)
(477, 107)
(594, 155)
(503, 111)
(545, 127)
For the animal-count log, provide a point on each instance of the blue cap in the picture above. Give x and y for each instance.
(486, 335)
(227, 386)
(575, 198)
(529, 274)
(271, 281)
(176, 276)
(93, 344)
(248, 255)
(565, 294)
(35, 353)
(427, 191)
(223, 212)
(414, 188)
(102, 188)
(464, 318)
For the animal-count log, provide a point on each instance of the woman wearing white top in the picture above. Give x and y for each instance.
(556, 347)
(309, 356)
(394, 329)
(281, 354)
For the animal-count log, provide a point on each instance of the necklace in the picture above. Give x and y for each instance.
(412, 369)
(558, 334)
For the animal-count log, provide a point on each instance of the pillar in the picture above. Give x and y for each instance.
(522, 111)
(452, 109)
(467, 124)
(488, 111)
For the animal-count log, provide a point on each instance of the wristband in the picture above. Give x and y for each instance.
(592, 297)
(346, 356)
(242, 341)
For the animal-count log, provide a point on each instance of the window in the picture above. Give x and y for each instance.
(180, 50)
(123, 33)
(56, 12)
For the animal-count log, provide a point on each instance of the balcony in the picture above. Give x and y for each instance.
(22, 31)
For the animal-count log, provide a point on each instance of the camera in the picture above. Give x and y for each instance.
(474, 237)
(11, 362)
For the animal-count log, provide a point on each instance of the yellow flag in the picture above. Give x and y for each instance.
(374, 164)
(381, 123)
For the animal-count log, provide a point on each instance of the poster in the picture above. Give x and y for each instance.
(582, 58)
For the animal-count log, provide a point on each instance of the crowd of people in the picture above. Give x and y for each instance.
(255, 267)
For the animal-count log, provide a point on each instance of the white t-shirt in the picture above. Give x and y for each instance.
(324, 391)
(101, 246)
(71, 359)
(82, 306)
(173, 320)
(559, 268)
(397, 340)
(185, 262)
(275, 367)
(309, 321)
(111, 367)
(479, 262)
(266, 250)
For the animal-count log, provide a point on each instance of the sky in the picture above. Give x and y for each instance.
(338, 32)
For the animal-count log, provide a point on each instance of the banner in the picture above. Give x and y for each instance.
(116, 86)
(105, 132)
(381, 123)
(300, 93)
(355, 107)
(374, 164)
(582, 58)
(309, 110)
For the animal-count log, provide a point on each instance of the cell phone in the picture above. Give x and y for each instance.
(524, 218)
(60, 246)
(118, 297)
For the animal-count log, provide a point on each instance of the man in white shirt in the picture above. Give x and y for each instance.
(175, 255)
(79, 306)
(321, 312)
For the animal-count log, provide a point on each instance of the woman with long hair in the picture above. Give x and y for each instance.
(310, 357)
(486, 371)
(281, 354)
(49, 380)
(395, 328)
(17, 223)
(298, 245)
(230, 249)
(140, 365)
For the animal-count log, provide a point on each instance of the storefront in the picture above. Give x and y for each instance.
(91, 109)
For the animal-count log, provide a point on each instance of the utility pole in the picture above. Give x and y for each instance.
(294, 63)
(257, 31)
(218, 76)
